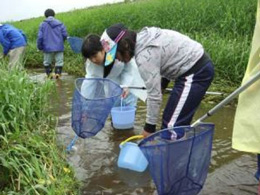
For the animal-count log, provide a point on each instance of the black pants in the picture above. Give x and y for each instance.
(186, 96)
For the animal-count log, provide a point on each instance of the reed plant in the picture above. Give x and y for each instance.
(225, 28)
(30, 160)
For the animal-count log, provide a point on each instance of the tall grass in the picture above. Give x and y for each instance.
(30, 161)
(224, 27)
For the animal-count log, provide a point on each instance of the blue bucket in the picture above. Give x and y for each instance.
(123, 117)
(131, 157)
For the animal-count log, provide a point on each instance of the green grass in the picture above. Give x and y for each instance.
(30, 160)
(225, 28)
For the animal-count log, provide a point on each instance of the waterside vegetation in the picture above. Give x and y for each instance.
(30, 160)
(225, 28)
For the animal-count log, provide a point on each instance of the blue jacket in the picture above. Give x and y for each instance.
(51, 35)
(11, 37)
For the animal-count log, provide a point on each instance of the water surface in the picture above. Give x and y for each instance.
(95, 159)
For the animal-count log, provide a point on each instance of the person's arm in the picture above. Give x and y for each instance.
(127, 74)
(127, 78)
(6, 46)
(5, 42)
(149, 68)
(64, 32)
(93, 70)
(24, 36)
(40, 38)
(137, 81)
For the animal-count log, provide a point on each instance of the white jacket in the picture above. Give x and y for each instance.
(123, 74)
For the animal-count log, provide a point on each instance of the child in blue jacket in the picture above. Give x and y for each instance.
(51, 36)
(13, 41)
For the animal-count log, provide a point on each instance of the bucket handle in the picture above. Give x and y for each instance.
(122, 103)
(131, 138)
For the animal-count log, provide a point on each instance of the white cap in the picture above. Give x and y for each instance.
(110, 45)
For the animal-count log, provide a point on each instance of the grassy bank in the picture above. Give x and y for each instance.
(30, 160)
(224, 27)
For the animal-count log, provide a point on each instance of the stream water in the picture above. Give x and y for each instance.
(95, 158)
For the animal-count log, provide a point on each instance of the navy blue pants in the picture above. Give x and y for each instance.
(186, 96)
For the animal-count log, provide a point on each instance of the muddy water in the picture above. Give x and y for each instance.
(94, 159)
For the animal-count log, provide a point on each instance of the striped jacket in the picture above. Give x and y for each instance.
(163, 53)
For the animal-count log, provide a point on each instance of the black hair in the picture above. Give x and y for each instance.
(114, 30)
(126, 46)
(49, 12)
(91, 45)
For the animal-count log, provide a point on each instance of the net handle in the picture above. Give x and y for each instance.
(132, 138)
(242, 88)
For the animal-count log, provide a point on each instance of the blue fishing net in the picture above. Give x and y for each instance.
(75, 44)
(92, 102)
(179, 167)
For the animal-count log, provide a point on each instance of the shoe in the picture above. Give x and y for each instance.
(52, 76)
(49, 76)
(57, 76)
(48, 70)
(58, 69)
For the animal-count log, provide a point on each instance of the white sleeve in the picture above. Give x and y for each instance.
(115, 73)
(127, 75)
(148, 61)
(132, 77)
(93, 70)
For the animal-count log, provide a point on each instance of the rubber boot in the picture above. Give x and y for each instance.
(48, 71)
(58, 71)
